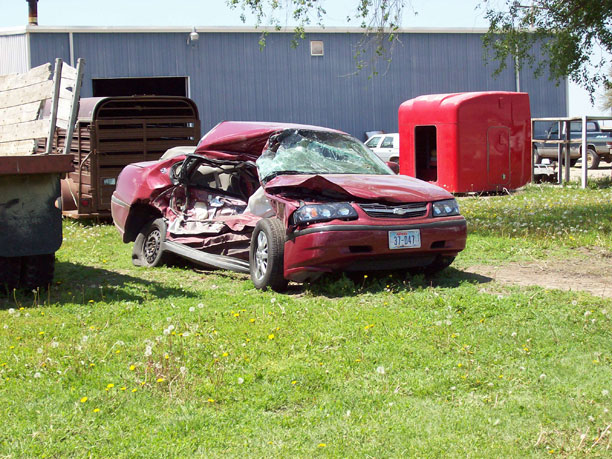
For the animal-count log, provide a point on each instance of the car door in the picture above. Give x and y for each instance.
(387, 150)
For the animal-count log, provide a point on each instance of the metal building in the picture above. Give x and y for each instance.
(231, 78)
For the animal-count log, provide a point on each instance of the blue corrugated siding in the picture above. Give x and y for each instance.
(230, 78)
(46, 47)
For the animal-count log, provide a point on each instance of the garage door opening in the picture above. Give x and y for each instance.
(426, 153)
(151, 86)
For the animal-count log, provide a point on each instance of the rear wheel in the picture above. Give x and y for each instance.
(147, 249)
(37, 271)
(592, 159)
(266, 255)
(10, 273)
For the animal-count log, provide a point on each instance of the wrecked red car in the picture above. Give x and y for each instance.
(284, 202)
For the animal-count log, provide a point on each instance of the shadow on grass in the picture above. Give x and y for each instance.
(347, 284)
(76, 283)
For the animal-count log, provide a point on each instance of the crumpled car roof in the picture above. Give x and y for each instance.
(244, 140)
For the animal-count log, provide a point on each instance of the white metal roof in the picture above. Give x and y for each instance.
(222, 29)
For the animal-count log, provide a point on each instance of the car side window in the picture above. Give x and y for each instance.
(373, 142)
(387, 142)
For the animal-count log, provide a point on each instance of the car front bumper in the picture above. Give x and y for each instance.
(350, 246)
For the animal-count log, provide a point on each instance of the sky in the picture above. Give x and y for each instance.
(202, 13)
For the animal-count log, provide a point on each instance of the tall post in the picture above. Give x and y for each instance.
(57, 77)
(74, 108)
(568, 126)
(559, 154)
(584, 151)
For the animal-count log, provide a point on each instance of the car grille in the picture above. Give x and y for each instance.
(415, 209)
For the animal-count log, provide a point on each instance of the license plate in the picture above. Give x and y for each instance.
(408, 239)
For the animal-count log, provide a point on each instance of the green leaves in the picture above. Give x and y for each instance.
(554, 38)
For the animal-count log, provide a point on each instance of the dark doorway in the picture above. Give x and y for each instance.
(152, 86)
(426, 153)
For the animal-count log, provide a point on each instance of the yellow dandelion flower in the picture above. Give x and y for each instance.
(117, 351)
(166, 356)
(11, 347)
(92, 364)
(110, 385)
(459, 365)
(357, 360)
(123, 388)
(271, 336)
(90, 301)
(134, 389)
(237, 314)
(294, 382)
(211, 400)
(84, 399)
(252, 320)
(160, 380)
(225, 354)
(96, 410)
(321, 445)
(132, 367)
(41, 332)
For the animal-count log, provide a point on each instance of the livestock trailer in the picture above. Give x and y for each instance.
(112, 132)
(467, 142)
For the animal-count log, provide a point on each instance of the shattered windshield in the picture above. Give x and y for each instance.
(300, 151)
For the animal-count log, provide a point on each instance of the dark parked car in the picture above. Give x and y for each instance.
(284, 202)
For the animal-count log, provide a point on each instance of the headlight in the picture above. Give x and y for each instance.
(445, 208)
(314, 213)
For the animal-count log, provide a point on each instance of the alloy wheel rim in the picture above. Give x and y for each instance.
(152, 245)
(261, 256)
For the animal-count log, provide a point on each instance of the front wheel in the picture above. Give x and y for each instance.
(147, 249)
(592, 159)
(266, 255)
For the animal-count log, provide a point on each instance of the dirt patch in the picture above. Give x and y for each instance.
(592, 274)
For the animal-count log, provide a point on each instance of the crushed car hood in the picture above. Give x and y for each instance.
(243, 140)
(391, 188)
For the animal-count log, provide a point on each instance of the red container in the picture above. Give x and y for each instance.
(467, 142)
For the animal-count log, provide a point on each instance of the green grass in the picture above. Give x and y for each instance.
(180, 363)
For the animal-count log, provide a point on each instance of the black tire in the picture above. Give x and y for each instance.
(592, 159)
(10, 274)
(572, 161)
(266, 255)
(37, 271)
(439, 264)
(147, 249)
